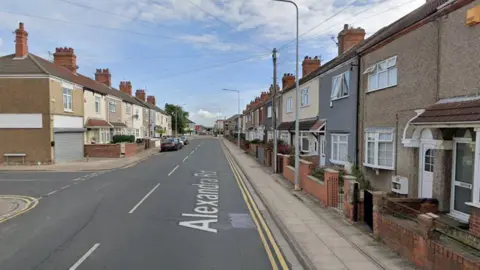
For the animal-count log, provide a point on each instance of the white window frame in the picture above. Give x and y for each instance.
(376, 141)
(128, 109)
(98, 106)
(336, 138)
(288, 105)
(340, 86)
(269, 112)
(372, 72)
(67, 100)
(304, 135)
(304, 101)
(112, 106)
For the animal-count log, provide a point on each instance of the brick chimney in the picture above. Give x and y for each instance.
(288, 79)
(349, 37)
(126, 87)
(103, 76)
(140, 94)
(21, 44)
(66, 57)
(151, 100)
(309, 65)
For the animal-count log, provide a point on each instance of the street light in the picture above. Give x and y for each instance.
(297, 124)
(238, 114)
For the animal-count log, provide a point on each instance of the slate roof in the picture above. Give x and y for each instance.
(118, 124)
(91, 122)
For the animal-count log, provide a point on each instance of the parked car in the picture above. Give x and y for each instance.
(181, 141)
(170, 144)
(184, 140)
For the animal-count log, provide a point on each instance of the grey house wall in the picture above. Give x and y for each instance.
(341, 114)
(268, 121)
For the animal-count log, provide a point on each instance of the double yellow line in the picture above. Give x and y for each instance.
(257, 217)
(30, 203)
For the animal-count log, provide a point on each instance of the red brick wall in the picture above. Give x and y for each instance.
(474, 221)
(130, 149)
(102, 150)
(315, 189)
(313, 159)
(288, 173)
(331, 180)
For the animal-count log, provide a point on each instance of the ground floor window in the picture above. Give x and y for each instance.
(379, 149)
(308, 142)
(339, 149)
(137, 132)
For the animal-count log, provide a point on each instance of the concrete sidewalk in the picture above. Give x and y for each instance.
(322, 238)
(92, 164)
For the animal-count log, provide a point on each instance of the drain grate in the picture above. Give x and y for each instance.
(242, 221)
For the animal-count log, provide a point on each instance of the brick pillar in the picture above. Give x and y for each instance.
(378, 201)
(426, 226)
(348, 207)
(474, 221)
(331, 180)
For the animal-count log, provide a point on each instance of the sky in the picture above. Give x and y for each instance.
(186, 51)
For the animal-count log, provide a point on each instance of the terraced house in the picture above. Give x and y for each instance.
(48, 110)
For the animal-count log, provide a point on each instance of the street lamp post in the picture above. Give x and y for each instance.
(297, 124)
(238, 114)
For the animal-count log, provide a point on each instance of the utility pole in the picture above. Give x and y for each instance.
(274, 110)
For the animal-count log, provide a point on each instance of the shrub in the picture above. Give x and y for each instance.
(123, 138)
(242, 136)
(255, 141)
(318, 173)
(291, 158)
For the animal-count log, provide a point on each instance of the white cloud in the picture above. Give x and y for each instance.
(212, 42)
(206, 114)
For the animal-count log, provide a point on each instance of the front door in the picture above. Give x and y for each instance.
(462, 178)
(426, 171)
(322, 150)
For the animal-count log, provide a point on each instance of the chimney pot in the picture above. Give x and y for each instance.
(151, 100)
(21, 41)
(126, 87)
(140, 94)
(288, 80)
(103, 76)
(66, 57)
(349, 37)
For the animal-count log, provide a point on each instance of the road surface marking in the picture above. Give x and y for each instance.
(30, 203)
(198, 215)
(185, 159)
(84, 257)
(144, 198)
(67, 186)
(51, 193)
(272, 241)
(193, 151)
(173, 170)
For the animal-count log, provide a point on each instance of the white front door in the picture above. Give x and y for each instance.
(462, 177)
(322, 150)
(427, 161)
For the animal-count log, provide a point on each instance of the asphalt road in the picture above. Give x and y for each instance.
(175, 210)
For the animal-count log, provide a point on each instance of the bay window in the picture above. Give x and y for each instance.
(379, 149)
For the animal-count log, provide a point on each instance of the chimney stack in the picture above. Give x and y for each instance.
(288, 79)
(66, 57)
(349, 37)
(151, 100)
(126, 87)
(103, 76)
(309, 65)
(140, 94)
(21, 46)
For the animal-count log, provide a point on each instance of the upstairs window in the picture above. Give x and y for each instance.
(340, 86)
(97, 105)
(113, 106)
(67, 99)
(129, 108)
(288, 105)
(382, 75)
(269, 112)
(305, 101)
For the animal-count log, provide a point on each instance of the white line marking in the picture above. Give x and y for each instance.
(193, 151)
(67, 186)
(199, 215)
(51, 193)
(84, 257)
(185, 159)
(144, 198)
(173, 170)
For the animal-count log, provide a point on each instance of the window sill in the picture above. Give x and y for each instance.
(288, 112)
(338, 162)
(376, 167)
(380, 89)
(68, 111)
(304, 106)
(334, 99)
(473, 204)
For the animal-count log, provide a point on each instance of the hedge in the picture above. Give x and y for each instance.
(123, 138)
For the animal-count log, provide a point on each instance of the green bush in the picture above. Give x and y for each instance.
(123, 138)
(318, 173)
(256, 141)
(242, 136)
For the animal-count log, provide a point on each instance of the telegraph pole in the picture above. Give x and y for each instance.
(274, 111)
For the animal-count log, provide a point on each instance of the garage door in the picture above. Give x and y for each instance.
(68, 147)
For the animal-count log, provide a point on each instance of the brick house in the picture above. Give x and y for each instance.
(41, 116)
(310, 125)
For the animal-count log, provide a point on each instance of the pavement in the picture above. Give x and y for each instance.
(321, 238)
(186, 209)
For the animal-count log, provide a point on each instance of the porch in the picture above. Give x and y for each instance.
(98, 131)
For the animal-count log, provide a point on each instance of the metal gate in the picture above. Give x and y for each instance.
(261, 154)
(68, 147)
(368, 208)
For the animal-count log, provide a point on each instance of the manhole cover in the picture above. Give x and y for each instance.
(243, 221)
